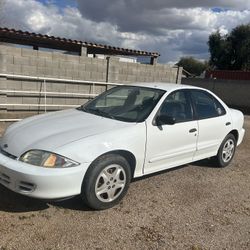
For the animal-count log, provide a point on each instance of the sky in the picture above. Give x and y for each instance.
(174, 28)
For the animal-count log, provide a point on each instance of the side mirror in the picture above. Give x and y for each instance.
(164, 120)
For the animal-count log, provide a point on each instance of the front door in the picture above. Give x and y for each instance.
(172, 145)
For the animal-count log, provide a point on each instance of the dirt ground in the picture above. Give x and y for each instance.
(192, 207)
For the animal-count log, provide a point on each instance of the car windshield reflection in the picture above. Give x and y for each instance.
(125, 103)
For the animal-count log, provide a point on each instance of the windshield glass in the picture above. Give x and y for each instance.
(125, 103)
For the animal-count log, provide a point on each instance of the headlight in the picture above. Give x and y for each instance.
(47, 159)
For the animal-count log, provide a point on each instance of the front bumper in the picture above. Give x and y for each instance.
(39, 182)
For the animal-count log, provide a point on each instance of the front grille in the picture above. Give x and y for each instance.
(26, 187)
(7, 154)
(22, 186)
(4, 179)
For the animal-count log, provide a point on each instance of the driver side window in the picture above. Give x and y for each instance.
(178, 106)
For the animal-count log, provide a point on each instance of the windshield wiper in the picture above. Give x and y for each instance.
(98, 112)
(82, 108)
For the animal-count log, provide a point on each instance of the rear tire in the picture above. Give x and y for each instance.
(226, 151)
(106, 182)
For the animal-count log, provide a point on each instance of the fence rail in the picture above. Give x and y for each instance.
(44, 94)
(51, 79)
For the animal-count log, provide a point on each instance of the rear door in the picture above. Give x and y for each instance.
(213, 121)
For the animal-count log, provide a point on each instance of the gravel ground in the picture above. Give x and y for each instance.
(192, 207)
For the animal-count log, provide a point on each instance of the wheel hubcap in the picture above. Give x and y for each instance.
(228, 150)
(110, 183)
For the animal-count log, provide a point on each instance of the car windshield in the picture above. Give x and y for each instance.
(125, 103)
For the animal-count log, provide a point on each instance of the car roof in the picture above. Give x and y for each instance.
(163, 86)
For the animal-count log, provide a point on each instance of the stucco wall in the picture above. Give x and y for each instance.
(234, 93)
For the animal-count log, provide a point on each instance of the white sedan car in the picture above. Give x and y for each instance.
(129, 131)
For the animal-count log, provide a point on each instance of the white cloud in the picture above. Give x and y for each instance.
(172, 27)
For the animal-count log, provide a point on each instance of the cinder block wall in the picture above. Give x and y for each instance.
(28, 62)
(50, 64)
(136, 72)
(233, 93)
(53, 64)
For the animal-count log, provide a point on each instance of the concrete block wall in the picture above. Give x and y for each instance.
(28, 62)
(135, 72)
(50, 64)
(53, 64)
(233, 93)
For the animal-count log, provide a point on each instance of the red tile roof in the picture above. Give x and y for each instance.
(25, 37)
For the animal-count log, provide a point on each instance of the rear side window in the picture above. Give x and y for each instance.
(206, 105)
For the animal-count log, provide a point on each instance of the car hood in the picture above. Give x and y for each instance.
(52, 130)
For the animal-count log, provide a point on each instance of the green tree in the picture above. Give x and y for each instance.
(240, 41)
(220, 51)
(192, 65)
(232, 51)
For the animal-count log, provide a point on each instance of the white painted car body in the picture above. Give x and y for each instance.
(83, 137)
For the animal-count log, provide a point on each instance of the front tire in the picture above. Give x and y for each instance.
(226, 151)
(106, 182)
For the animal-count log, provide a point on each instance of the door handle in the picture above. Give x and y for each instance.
(228, 123)
(192, 130)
